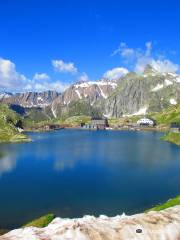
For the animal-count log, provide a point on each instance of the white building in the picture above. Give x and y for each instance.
(146, 122)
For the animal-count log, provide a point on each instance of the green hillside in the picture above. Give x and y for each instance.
(172, 137)
(9, 121)
(170, 203)
(167, 116)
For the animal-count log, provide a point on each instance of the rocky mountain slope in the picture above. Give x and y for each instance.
(146, 226)
(30, 99)
(139, 94)
(133, 94)
(85, 94)
(5, 95)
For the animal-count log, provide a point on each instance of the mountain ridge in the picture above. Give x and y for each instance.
(132, 94)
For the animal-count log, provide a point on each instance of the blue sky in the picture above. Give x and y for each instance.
(83, 35)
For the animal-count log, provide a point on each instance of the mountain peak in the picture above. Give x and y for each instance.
(149, 69)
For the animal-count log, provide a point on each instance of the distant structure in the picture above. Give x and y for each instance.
(97, 124)
(146, 122)
(50, 127)
(175, 127)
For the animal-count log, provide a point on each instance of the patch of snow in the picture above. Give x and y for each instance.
(40, 99)
(178, 79)
(53, 111)
(173, 74)
(168, 82)
(172, 101)
(78, 93)
(102, 94)
(158, 87)
(4, 95)
(142, 111)
(107, 115)
(100, 83)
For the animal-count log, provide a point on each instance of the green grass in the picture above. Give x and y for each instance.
(8, 131)
(172, 137)
(167, 116)
(3, 231)
(41, 222)
(77, 120)
(170, 203)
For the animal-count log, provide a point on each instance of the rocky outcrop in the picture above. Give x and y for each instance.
(133, 94)
(31, 99)
(139, 94)
(146, 226)
(88, 93)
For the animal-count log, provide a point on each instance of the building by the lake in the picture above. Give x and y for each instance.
(175, 127)
(97, 124)
(146, 122)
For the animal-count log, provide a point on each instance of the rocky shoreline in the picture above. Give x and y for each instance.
(145, 226)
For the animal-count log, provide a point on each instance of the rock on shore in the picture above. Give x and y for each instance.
(163, 225)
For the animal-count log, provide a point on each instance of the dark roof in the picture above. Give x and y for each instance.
(97, 118)
(175, 125)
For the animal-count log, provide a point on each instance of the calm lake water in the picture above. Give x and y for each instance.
(72, 173)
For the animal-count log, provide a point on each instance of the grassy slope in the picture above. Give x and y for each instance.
(8, 132)
(41, 222)
(170, 203)
(165, 118)
(171, 114)
(172, 137)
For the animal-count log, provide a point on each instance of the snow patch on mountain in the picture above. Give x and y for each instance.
(78, 93)
(168, 82)
(102, 94)
(173, 101)
(99, 83)
(157, 88)
(141, 111)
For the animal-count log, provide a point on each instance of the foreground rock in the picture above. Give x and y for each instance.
(146, 226)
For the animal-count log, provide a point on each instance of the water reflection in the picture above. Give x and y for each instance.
(61, 165)
(72, 173)
(7, 163)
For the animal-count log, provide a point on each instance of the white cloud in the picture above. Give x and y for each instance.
(140, 58)
(61, 66)
(9, 77)
(148, 48)
(41, 76)
(84, 77)
(164, 66)
(115, 73)
(141, 64)
(54, 86)
(11, 80)
(124, 51)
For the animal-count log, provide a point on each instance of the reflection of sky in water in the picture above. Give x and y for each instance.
(73, 172)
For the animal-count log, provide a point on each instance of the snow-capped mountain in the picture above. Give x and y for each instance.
(4, 95)
(89, 92)
(133, 94)
(138, 94)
